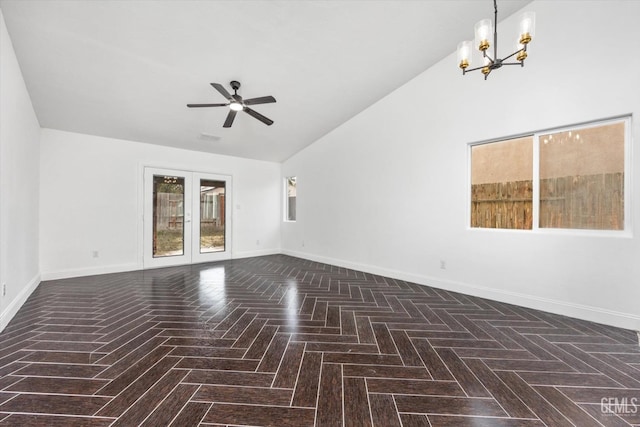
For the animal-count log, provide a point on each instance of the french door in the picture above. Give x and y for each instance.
(186, 217)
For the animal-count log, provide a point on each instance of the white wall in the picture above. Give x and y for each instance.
(90, 189)
(19, 159)
(387, 191)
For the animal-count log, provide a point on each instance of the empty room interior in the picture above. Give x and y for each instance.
(319, 213)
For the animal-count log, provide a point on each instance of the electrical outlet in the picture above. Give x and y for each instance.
(257, 242)
(95, 254)
(443, 264)
(4, 289)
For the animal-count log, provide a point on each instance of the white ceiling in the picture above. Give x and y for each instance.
(127, 69)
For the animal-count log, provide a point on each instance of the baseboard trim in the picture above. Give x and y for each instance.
(251, 254)
(579, 311)
(18, 301)
(122, 268)
(89, 271)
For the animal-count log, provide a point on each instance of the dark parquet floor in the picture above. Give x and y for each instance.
(281, 341)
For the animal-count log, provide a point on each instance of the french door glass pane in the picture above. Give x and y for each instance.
(168, 216)
(212, 220)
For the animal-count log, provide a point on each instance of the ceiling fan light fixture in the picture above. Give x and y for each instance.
(236, 106)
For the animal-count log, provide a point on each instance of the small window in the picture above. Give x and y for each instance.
(502, 184)
(571, 178)
(290, 199)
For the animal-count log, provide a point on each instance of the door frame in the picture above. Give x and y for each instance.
(144, 229)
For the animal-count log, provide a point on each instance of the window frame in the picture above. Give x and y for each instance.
(627, 231)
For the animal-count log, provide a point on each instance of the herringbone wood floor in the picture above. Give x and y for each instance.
(287, 342)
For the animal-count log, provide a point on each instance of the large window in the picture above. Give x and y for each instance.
(290, 198)
(582, 178)
(571, 178)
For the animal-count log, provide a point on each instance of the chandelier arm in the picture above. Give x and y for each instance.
(514, 53)
(513, 63)
(475, 69)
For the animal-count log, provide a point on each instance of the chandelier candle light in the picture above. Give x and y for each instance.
(483, 30)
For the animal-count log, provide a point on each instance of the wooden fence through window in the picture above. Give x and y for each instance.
(593, 202)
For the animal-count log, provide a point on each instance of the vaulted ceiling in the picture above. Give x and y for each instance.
(127, 69)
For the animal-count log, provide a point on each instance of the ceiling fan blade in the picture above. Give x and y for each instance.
(258, 116)
(206, 105)
(222, 90)
(261, 100)
(230, 117)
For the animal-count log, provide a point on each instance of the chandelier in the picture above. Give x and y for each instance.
(483, 30)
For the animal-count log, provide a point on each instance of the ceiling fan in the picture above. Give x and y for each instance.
(236, 103)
